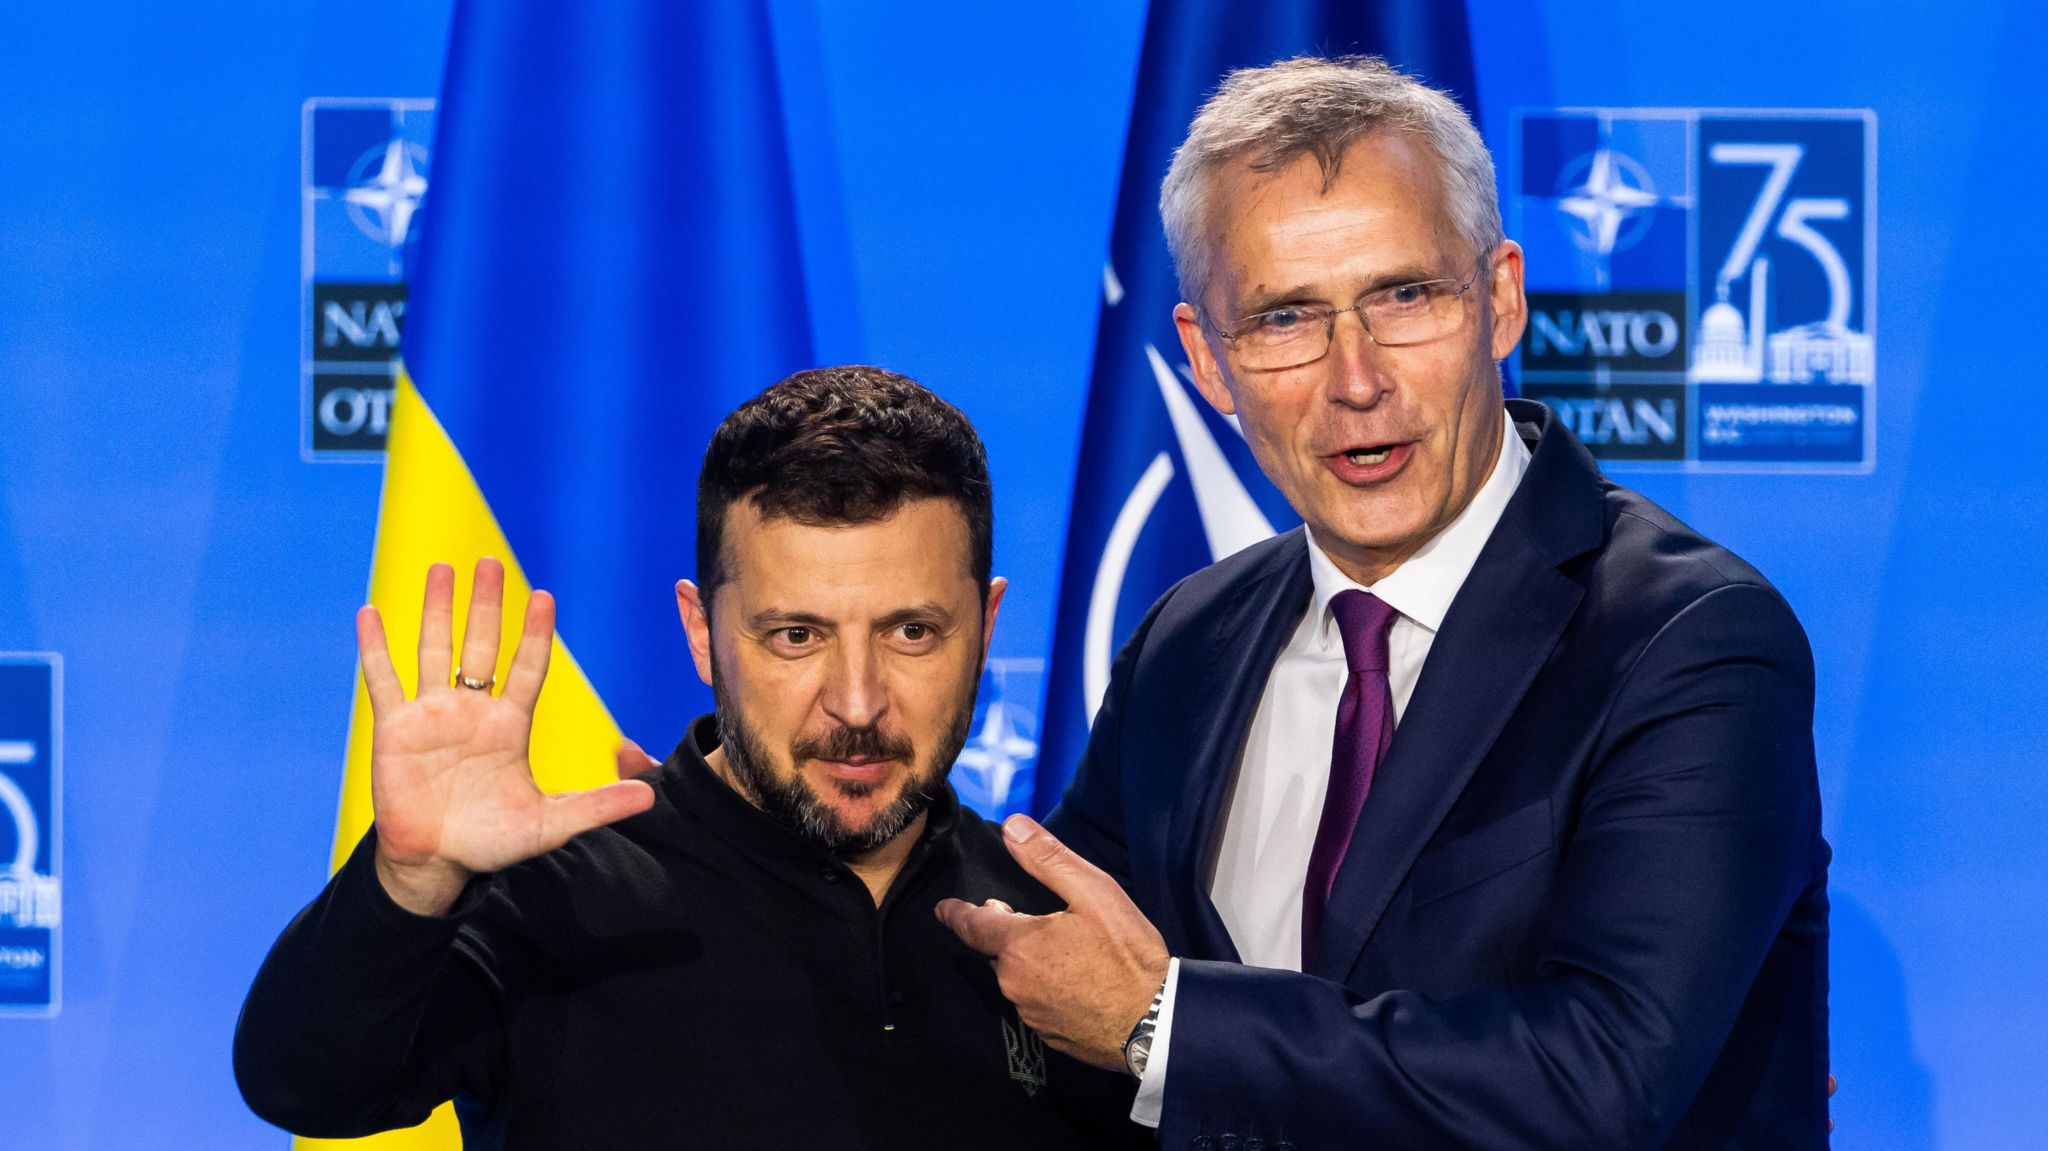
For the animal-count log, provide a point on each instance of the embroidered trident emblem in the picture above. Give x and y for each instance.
(1027, 1056)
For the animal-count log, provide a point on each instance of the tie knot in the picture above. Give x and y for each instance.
(1364, 620)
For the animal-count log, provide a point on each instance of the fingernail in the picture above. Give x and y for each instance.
(1019, 829)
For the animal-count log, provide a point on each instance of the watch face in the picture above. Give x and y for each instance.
(1137, 1053)
(1138, 1045)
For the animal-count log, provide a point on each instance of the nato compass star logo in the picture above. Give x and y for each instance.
(384, 190)
(1604, 195)
(1000, 749)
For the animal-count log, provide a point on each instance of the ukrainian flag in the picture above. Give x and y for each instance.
(606, 263)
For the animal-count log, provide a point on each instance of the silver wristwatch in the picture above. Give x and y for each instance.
(1138, 1044)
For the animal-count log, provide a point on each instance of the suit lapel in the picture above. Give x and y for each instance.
(1241, 646)
(1499, 631)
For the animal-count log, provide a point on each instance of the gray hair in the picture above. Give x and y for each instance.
(1269, 117)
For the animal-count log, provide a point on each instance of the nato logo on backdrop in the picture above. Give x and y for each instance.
(31, 905)
(363, 171)
(995, 771)
(1701, 283)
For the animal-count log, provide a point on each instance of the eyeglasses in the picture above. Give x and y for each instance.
(1298, 334)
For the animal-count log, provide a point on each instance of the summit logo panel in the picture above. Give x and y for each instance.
(1702, 283)
(363, 173)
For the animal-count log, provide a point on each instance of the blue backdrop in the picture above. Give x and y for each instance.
(955, 172)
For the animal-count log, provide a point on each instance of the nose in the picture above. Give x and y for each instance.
(1355, 363)
(854, 692)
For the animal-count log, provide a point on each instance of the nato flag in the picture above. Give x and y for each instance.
(1164, 485)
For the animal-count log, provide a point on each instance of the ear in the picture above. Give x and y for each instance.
(1210, 377)
(696, 625)
(996, 588)
(1510, 306)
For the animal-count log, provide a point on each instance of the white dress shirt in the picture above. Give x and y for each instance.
(1269, 823)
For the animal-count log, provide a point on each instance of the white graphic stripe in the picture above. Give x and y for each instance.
(28, 840)
(1230, 518)
(1109, 579)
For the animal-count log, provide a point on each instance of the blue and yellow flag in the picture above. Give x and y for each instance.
(606, 264)
(1164, 485)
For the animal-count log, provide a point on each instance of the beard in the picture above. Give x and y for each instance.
(795, 804)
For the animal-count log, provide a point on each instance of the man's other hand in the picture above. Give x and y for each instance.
(450, 784)
(634, 762)
(1081, 978)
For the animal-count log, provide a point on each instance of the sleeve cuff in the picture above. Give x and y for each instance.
(359, 890)
(1151, 1100)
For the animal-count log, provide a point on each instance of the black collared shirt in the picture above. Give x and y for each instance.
(695, 976)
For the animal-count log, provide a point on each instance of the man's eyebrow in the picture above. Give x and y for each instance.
(927, 612)
(1265, 300)
(782, 617)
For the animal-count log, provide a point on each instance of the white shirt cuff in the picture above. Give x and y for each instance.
(1151, 1098)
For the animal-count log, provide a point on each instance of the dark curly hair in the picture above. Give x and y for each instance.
(846, 445)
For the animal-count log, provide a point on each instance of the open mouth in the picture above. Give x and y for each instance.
(1369, 463)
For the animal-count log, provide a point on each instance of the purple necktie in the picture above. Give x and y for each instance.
(1365, 725)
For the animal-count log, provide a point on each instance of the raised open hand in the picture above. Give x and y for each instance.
(449, 779)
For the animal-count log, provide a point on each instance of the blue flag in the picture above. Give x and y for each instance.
(607, 265)
(1166, 486)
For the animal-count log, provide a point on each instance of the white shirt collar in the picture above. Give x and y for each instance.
(1422, 588)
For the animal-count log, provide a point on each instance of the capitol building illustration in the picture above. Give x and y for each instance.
(1728, 348)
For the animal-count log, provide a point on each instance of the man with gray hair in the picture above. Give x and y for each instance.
(1482, 810)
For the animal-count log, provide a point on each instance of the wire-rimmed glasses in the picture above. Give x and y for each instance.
(1297, 334)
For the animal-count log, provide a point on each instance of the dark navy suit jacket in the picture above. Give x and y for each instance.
(1585, 904)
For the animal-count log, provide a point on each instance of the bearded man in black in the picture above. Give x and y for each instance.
(738, 948)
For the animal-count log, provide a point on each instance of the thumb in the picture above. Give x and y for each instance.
(634, 762)
(1054, 864)
(570, 815)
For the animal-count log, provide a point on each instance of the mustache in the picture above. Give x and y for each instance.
(854, 743)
